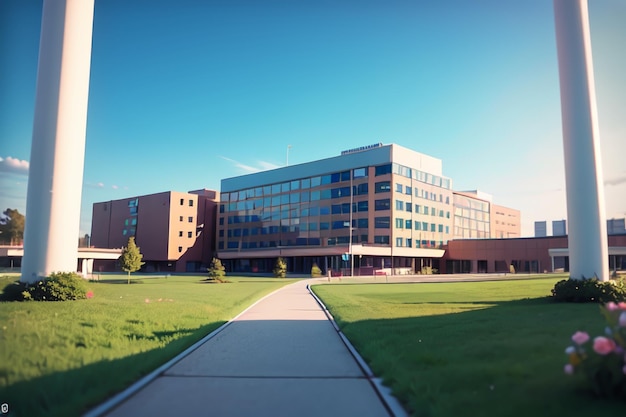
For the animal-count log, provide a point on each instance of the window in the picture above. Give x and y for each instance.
(340, 224)
(382, 222)
(433, 227)
(399, 223)
(408, 207)
(362, 206)
(180, 218)
(382, 187)
(407, 190)
(190, 203)
(409, 243)
(359, 173)
(180, 249)
(382, 170)
(399, 205)
(180, 233)
(418, 226)
(399, 242)
(361, 189)
(361, 223)
(190, 219)
(383, 204)
(182, 201)
(189, 234)
(381, 240)
(221, 233)
(399, 188)
(408, 224)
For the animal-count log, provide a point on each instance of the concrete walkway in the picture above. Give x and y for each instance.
(282, 357)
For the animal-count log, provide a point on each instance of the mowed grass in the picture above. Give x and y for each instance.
(60, 358)
(470, 349)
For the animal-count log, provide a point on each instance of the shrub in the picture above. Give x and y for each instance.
(59, 286)
(316, 271)
(589, 290)
(280, 269)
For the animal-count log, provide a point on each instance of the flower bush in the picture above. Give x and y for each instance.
(602, 360)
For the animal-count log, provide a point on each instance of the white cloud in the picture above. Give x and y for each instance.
(14, 165)
(262, 165)
(268, 165)
(115, 187)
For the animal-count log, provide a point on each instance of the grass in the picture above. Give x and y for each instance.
(61, 358)
(470, 349)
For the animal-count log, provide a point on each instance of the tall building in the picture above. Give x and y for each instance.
(559, 228)
(541, 229)
(386, 206)
(174, 230)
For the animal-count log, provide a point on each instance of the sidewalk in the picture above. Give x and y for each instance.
(282, 357)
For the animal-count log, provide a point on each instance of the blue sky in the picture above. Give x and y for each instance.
(185, 93)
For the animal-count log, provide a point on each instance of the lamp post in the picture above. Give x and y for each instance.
(288, 147)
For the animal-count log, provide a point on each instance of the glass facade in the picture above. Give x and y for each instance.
(471, 217)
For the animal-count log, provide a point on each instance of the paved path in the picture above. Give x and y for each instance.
(282, 357)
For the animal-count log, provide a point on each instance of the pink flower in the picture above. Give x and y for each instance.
(569, 369)
(622, 305)
(611, 306)
(89, 294)
(622, 319)
(580, 337)
(603, 345)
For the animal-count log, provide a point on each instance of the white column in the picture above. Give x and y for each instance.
(586, 215)
(58, 143)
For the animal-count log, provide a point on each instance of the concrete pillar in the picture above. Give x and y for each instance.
(58, 143)
(587, 238)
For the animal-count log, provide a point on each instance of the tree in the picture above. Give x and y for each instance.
(217, 270)
(316, 271)
(131, 257)
(280, 269)
(12, 227)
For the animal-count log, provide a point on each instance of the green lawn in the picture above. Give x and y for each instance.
(470, 349)
(60, 358)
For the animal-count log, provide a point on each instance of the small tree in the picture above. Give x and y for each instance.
(280, 269)
(217, 270)
(316, 271)
(131, 257)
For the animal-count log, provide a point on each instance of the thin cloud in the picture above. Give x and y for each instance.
(239, 165)
(14, 166)
(616, 180)
(97, 185)
(268, 165)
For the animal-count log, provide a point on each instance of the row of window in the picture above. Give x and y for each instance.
(332, 241)
(408, 243)
(294, 225)
(294, 198)
(421, 226)
(421, 193)
(189, 234)
(295, 210)
(285, 187)
(182, 202)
